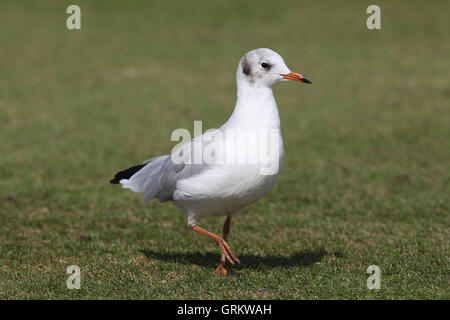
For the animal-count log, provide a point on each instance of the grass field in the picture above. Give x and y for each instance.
(366, 175)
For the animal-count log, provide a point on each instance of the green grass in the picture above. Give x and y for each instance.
(366, 175)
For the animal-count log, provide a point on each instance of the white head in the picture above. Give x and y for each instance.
(263, 68)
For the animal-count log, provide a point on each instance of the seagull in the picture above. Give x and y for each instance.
(220, 184)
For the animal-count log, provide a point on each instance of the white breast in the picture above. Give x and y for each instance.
(223, 189)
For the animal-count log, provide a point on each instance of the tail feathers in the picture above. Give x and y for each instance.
(126, 174)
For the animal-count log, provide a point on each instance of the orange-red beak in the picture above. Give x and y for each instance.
(296, 77)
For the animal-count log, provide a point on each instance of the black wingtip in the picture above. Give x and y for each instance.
(126, 174)
(114, 181)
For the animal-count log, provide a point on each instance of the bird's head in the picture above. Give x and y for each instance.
(265, 68)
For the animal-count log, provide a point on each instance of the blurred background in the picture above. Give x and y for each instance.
(366, 174)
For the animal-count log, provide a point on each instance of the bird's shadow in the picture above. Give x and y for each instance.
(248, 261)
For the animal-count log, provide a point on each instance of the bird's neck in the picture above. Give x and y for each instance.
(255, 107)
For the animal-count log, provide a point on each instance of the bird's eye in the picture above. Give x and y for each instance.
(265, 65)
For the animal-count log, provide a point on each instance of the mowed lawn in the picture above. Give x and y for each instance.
(366, 174)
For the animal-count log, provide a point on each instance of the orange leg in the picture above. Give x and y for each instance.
(227, 253)
(226, 229)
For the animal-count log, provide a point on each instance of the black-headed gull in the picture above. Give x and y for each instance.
(223, 175)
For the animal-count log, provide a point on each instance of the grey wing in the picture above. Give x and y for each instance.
(168, 177)
(159, 176)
